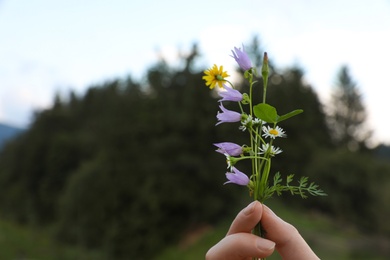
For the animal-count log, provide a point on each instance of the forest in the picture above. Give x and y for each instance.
(130, 165)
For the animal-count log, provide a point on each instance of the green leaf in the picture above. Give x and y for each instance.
(290, 114)
(266, 113)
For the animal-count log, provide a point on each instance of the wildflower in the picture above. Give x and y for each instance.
(242, 128)
(231, 149)
(257, 122)
(273, 132)
(273, 151)
(230, 160)
(246, 123)
(242, 58)
(230, 94)
(215, 76)
(237, 177)
(227, 116)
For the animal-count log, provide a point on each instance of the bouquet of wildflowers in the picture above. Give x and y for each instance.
(260, 122)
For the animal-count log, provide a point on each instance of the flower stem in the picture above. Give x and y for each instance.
(264, 73)
(263, 166)
(259, 231)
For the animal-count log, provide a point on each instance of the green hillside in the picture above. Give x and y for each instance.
(329, 239)
(21, 242)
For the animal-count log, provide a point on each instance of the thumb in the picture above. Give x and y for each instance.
(289, 243)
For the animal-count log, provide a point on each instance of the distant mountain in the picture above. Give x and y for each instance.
(383, 151)
(7, 132)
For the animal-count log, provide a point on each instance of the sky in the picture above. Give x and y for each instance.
(49, 47)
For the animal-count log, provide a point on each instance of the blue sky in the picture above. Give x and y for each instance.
(53, 46)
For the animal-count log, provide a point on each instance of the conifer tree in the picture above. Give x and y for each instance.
(347, 113)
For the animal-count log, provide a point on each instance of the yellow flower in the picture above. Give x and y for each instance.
(215, 76)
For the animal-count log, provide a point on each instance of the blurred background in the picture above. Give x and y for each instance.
(106, 127)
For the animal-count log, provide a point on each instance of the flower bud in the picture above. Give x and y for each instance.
(265, 68)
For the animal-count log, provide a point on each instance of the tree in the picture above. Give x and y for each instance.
(308, 132)
(347, 113)
(126, 167)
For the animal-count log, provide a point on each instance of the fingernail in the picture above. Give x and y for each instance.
(249, 209)
(271, 211)
(265, 244)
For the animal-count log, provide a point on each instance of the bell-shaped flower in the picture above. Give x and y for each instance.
(237, 177)
(229, 148)
(242, 58)
(227, 116)
(230, 94)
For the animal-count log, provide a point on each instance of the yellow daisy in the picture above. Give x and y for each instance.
(215, 76)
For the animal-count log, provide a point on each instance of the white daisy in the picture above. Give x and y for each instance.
(245, 124)
(274, 150)
(273, 132)
(230, 161)
(257, 122)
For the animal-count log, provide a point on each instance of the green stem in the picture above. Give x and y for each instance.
(253, 139)
(259, 231)
(265, 82)
(250, 94)
(262, 173)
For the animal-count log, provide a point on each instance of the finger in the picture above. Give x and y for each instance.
(289, 243)
(241, 246)
(247, 218)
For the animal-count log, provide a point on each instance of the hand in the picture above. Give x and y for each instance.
(240, 243)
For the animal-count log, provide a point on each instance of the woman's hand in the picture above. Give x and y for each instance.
(240, 243)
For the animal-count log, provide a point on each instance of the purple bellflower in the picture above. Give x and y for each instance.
(237, 177)
(229, 148)
(242, 58)
(227, 116)
(230, 94)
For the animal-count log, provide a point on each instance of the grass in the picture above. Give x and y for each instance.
(17, 242)
(328, 239)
